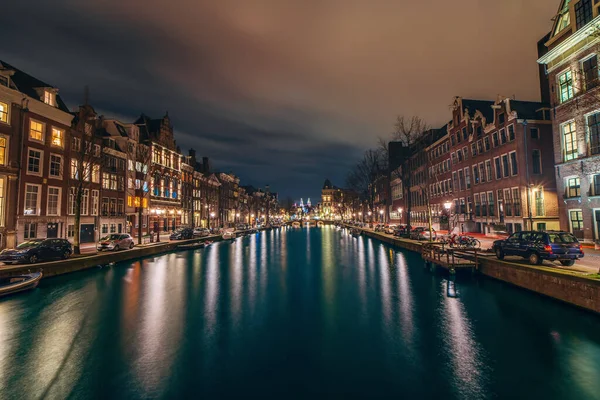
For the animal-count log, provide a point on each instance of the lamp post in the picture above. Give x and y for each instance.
(448, 206)
(370, 220)
(381, 216)
(211, 215)
(252, 216)
(360, 216)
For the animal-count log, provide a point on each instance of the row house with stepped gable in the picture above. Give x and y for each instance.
(569, 58)
(489, 169)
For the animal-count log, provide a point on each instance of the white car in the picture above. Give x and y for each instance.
(201, 232)
(116, 241)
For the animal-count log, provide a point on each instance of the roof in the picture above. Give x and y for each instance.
(484, 106)
(327, 184)
(527, 109)
(27, 84)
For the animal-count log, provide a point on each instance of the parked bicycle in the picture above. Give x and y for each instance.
(461, 241)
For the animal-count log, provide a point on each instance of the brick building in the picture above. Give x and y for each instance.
(569, 55)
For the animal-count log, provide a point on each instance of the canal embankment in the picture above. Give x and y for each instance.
(83, 262)
(576, 289)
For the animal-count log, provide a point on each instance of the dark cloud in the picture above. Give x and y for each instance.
(280, 92)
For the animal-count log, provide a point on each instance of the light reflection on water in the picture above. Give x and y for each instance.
(309, 312)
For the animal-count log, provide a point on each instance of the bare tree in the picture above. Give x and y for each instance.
(408, 131)
(139, 156)
(361, 176)
(85, 165)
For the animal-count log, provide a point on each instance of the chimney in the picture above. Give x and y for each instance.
(205, 165)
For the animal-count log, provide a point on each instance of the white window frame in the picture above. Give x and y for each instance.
(41, 162)
(510, 164)
(57, 202)
(43, 132)
(62, 136)
(7, 113)
(35, 211)
(62, 163)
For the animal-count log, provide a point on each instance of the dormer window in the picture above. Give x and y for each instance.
(49, 98)
(563, 18)
(4, 80)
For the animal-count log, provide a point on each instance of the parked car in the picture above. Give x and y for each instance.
(401, 231)
(390, 229)
(539, 246)
(116, 242)
(422, 233)
(35, 250)
(379, 228)
(182, 233)
(241, 227)
(201, 232)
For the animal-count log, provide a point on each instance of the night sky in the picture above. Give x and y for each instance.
(285, 93)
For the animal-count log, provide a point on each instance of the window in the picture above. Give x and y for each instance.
(539, 202)
(583, 13)
(96, 150)
(507, 203)
(516, 196)
(564, 19)
(482, 172)
(590, 72)
(480, 146)
(464, 134)
(104, 228)
(34, 162)
(488, 170)
(513, 163)
(74, 169)
(95, 198)
(596, 187)
(96, 173)
(565, 84)
(569, 141)
(573, 187)
(495, 142)
(475, 174)
(491, 203)
(505, 166)
(593, 122)
(498, 168)
(461, 180)
(536, 158)
(576, 220)
(511, 133)
(58, 137)
(36, 130)
(55, 166)
(53, 207)
(70, 230)
(468, 178)
(2, 150)
(49, 98)
(502, 136)
(460, 155)
(3, 112)
(535, 134)
(76, 144)
(473, 149)
(32, 197)
(113, 228)
(105, 206)
(486, 143)
(30, 231)
(71, 202)
(501, 118)
(85, 197)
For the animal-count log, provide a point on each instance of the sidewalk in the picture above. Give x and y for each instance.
(588, 265)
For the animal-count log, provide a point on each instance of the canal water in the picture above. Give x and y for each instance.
(292, 313)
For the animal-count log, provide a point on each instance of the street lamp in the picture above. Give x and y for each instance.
(212, 215)
(380, 215)
(448, 206)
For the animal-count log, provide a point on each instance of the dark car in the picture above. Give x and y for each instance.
(182, 233)
(538, 246)
(34, 250)
(401, 231)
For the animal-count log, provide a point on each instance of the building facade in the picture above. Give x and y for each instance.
(569, 56)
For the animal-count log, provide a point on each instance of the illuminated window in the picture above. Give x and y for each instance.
(32, 196)
(36, 130)
(2, 202)
(58, 136)
(49, 98)
(569, 141)
(53, 207)
(4, 112)
(74, 169)
(2, 151)
(565, 83)
(573, 187)
(564, 18)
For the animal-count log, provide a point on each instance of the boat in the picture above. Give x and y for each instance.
(19, 283)
(296, 224)
(229, 234)
(192, 246)
(355, 232)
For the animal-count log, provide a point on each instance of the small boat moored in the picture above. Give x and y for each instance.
(229, 234)
(19, 283)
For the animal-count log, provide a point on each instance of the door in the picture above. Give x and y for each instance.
(52, 230)
(86, 234)
(511, 246)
